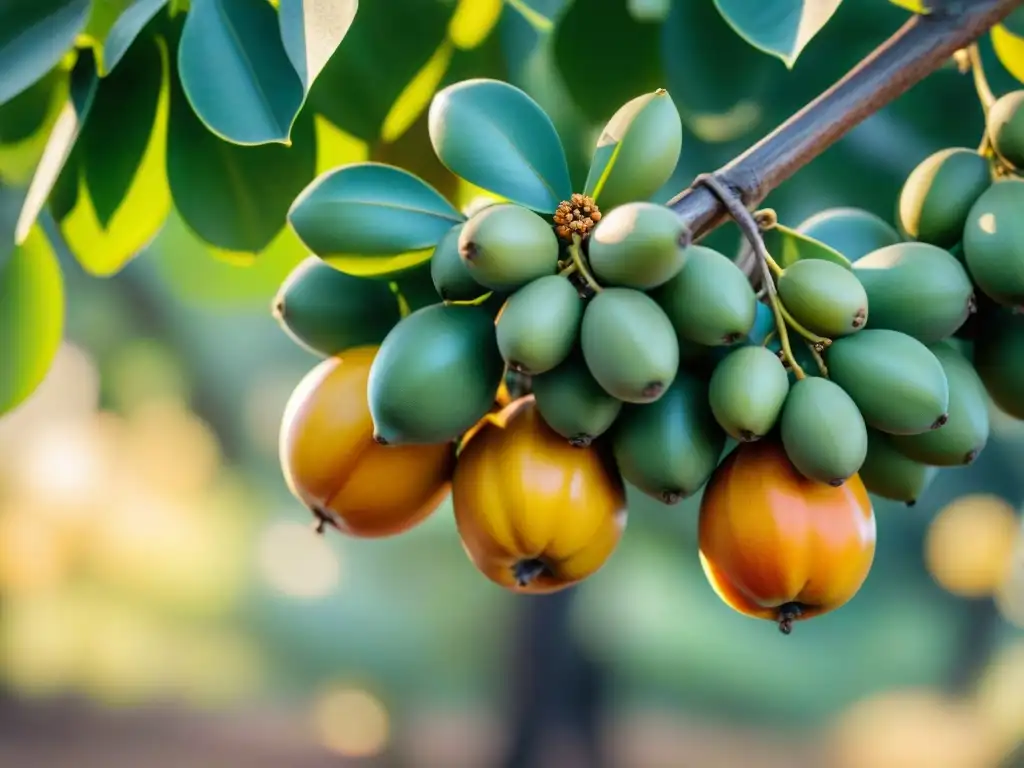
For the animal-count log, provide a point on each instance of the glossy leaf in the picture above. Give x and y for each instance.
(236, 73)
(34, 36)
(1009, 47)
(31, 317)
(781, 28)
(473, 21)
(494, 135)
(372, 219)
(356, 90)
(234, 197)
(120, 198)
(588, 26)
(311, 31)
(124, 31)
(787, 246)
(60, 143)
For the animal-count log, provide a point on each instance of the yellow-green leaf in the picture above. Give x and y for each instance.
(917, 6)
(1010, 50)
(31, 317)
(417, 94)
(473, 21)
(18, 159)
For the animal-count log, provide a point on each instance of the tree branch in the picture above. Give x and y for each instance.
(920, 47)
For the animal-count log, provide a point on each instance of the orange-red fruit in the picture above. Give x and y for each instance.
(534, 513)
(777, 546)
(333, 465)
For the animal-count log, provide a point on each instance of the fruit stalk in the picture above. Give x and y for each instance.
(917, 49)
(576, 252)
(752, 232)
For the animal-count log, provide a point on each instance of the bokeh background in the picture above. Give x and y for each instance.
(164, 601)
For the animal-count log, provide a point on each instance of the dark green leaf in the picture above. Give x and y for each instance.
(235, 72)
(61, 142)
(787, 246)
(494, 135)
(34, 36)
(357, 88)
(26, 113)
(600, 84)
(113, 198)
(701, 56)
(31, 317)
(781, 28)
(234, 197)
(124, 31)
(372, 219)
(124, 107)
(311, 32)
(1014, 23)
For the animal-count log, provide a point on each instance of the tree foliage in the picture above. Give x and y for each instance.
(118, 116)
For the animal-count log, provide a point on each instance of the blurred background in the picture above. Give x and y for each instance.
(164, 601)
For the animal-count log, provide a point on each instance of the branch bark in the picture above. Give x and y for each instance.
(920, 47)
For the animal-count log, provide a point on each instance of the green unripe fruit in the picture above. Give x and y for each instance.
(637, 151)
(747, 391)
(327, 311)
(505, 246)
(629, 345)
(999, 360)
(669, 449)
(435, 375)
(898, 384)
(851, 231)
(638, 245)
(573, 403)
(539, 324)
(823, 431)
(449, 273)
(1006, 128)
(961, 439)
(825, 298)
(889, 474)
(994, 242)
(916, 288)
(938, 194)
(710, 301)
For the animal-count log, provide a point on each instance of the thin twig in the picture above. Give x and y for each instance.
(752, 232)
(920, 47)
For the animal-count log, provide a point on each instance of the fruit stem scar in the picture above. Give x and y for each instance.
(752, 232)
(526, 571)
(789, 613)
(320, 523)
(580, 264)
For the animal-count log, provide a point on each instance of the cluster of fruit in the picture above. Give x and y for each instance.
(566, 355)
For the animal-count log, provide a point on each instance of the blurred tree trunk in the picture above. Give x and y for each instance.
(557, 688)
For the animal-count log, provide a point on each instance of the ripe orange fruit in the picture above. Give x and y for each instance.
(333, 465)
(777, 546)
(534, 513)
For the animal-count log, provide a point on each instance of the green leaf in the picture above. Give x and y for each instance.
(917, 6)
(124, 31)
(701, 54)
(31, 317)
(473, 22)
(234, 197)
(1014, 23)
(18, 160)
(311, 31)
(357, 89)
(372, 219)
(60, 143)
(116, 198)
(600, 84)
(787, 246)
(26, 113)
(782, 28)
(236, 73)
(493, 135)
(34, 36)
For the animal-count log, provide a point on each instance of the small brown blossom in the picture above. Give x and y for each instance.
(576, 216)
